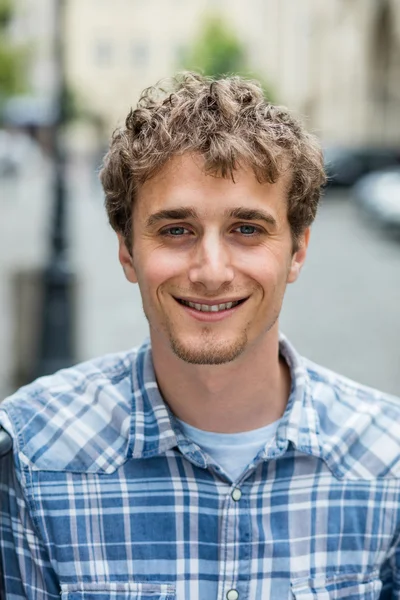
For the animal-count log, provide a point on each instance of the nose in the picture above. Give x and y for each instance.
(212, 263)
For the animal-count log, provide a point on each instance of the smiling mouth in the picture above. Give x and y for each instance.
(211, 307)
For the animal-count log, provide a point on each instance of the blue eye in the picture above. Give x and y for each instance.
(247, 229)
(175, 231)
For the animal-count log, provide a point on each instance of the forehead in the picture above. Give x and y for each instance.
(184, 182)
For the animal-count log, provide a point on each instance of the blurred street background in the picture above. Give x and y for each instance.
(69, 72)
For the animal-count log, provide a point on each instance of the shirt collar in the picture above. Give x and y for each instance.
(151, 431)
(300, 421)
(154, 430)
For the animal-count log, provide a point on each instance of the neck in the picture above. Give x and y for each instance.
(248, 393)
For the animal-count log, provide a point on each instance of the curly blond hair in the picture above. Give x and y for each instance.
(229, 123)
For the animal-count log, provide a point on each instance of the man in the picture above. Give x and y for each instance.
(213, 462)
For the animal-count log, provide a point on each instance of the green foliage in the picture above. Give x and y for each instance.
(218, 51)
(5, 13)
(71, 105)
(11, 69)
(12, 59)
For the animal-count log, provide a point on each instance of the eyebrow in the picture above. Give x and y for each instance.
(252, 214)
(179, 214)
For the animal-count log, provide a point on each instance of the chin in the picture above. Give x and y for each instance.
(208, 352)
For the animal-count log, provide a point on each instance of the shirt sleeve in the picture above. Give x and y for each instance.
(25, 569)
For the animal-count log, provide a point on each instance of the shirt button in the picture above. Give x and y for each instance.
(236, 495)
(232, 595)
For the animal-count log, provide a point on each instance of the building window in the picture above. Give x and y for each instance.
(140, 54)
(103, 52)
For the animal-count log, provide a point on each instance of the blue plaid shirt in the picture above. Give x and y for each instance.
(105, 498)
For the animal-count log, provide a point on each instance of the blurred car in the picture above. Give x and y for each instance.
(345, 165)
(378, 196)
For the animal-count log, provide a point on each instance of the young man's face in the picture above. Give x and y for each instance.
(223, 247)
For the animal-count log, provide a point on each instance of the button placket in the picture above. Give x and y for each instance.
(235, 531)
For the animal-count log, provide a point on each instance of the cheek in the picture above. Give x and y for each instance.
(158, 267)
(266, 269)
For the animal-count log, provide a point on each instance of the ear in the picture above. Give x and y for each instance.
(126, 260)
(299, 256)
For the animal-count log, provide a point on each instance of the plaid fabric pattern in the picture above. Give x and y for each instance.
(105, 498)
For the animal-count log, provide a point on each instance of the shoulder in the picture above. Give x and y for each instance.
(326, 383)
(63, 421)
(359, 425)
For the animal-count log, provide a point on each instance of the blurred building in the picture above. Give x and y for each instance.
(336, 62)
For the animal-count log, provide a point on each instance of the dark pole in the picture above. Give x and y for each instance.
(56, 334)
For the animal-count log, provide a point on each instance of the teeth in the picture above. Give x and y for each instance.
(209, 308)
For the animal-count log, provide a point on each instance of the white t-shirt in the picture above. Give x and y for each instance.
(231, 451)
